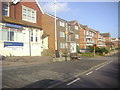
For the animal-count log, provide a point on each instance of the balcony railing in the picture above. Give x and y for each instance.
(101, 45)
(88, 36)
(89, 43)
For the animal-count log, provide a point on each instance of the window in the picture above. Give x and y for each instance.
(76, 27)
(76, 36)
(32, 36)
(84, 39)
(11, 35)
(36, 38)
(4, 35)
(92, 34)
(69, 28)
(62, 24)
(28, 14)
(62, 34)
(62, 45)
(84, 32)
(66, 26)
(5, 9)
(87, 33)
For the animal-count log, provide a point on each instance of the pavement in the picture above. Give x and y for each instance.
(47, 74)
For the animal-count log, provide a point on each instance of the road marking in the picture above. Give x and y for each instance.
(73, 81)
(103, 65)
(89, 73)
(78, 74)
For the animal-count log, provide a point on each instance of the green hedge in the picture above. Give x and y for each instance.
(98, 50)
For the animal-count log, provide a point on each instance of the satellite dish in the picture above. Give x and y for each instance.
(15, 1)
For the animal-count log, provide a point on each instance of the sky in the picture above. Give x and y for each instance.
(101, 16)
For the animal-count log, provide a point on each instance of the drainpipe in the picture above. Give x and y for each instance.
(30, 42)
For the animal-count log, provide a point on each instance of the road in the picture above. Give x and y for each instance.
(104, 76)
(59, 74)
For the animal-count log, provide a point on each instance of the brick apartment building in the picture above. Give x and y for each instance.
(21, 29)
(48, 25)
(100, 40)
(63, 34)
(82, 41)
(107, 38)
(75, 37)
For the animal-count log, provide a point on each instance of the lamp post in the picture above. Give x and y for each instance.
(94, 45)
(66, 33)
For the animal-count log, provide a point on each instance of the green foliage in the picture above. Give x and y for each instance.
(88, 54)
(98, 50)
(47, 52)
(78, 49)
(104, 50)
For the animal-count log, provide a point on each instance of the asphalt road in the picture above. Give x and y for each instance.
(58, 74)
(104, 76)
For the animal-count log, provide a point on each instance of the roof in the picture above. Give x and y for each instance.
(83, 26)
(73, 22)
(29, 1)
(105, 34)
(92, 30)
(54, 16)
(39, 6)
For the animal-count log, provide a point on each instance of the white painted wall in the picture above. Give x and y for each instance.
(73, 48)
(36, 47)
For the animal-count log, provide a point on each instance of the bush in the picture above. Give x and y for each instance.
(78, 49)
(104, 50)
(98, 50)
(47, 52)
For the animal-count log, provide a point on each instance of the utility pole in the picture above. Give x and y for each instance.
(66, 32)
(94, 49)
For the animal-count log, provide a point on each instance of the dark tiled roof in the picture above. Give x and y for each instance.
(92, 30)
(72, 21)
(83, 26)
(105, 34)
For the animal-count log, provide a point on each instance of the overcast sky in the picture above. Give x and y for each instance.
(101, 16)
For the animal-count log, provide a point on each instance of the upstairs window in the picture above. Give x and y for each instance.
(62, 34)
(62, 24)
(31, 35)
(76, 36)
(62, 45)
(76, 27)
(5, 9)
(28, 14)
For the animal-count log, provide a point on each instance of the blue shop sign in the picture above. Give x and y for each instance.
(13, 25)
(6, 44)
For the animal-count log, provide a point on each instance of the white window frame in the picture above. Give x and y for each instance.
(62, 24)
(84, 32)
(62, 34)
(62, 45)
(76, 36)
(29, 16)
(7, 9)
(76, 27)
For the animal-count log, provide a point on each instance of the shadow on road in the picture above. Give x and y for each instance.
(42, 84)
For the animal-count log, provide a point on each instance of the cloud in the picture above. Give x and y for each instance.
(60, 7)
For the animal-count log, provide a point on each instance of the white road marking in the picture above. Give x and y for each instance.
(89, 73)
(103, 65)
(73, 81)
